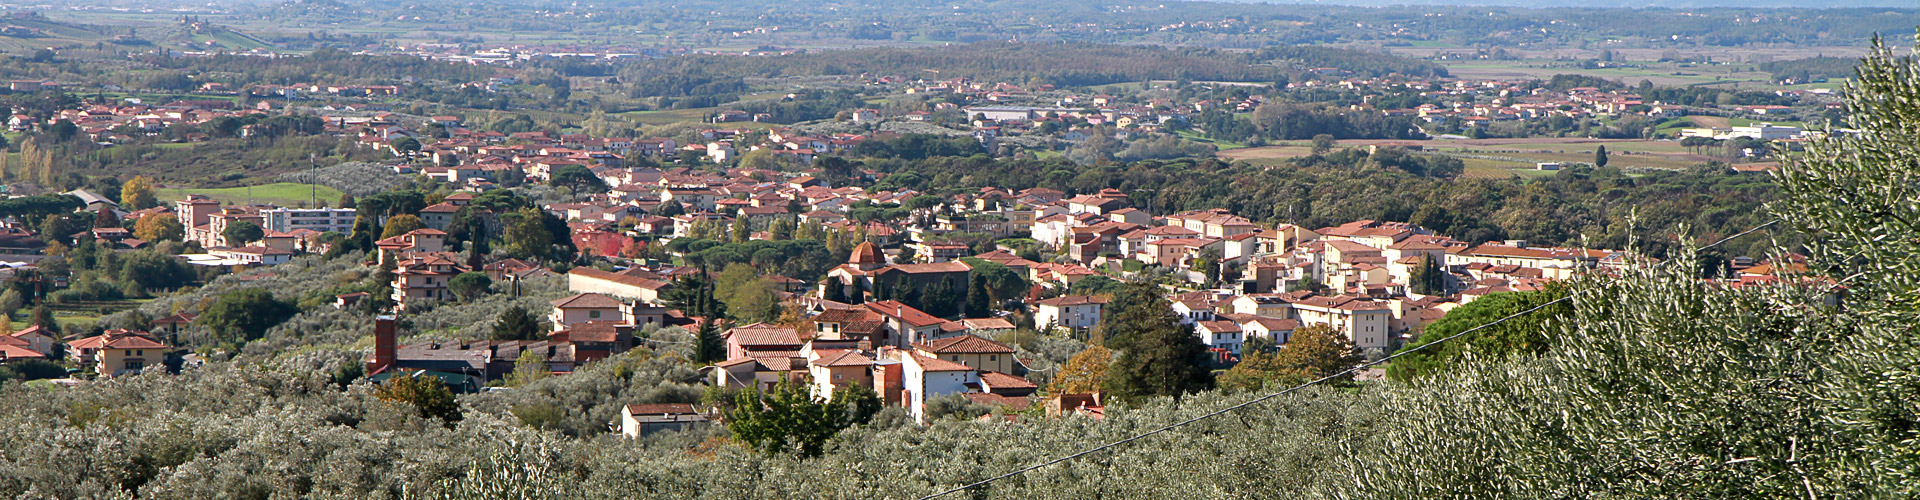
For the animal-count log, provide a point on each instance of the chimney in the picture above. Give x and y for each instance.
(383, 348)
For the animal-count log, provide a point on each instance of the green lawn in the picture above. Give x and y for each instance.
(69, 322)
(161, 98)
(1658, 73)
(1218, 143)
(284, 193)
(1744, 122)
(670, 116)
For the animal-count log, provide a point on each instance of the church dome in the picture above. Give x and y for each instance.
(866, 253)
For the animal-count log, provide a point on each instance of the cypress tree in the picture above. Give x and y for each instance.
(1158, 355)
(835, 291)
(516, 323)
(979, 304)
(708, 347)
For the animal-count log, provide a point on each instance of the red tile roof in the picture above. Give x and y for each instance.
(118, 339)
(661, 409)
(1001, 381)
(762, 334)
(964, 344)
(896, 309)
(588, 300)
(635, 281)
(1071, 300)
(841, 357)
(939, 365)
(592, 331)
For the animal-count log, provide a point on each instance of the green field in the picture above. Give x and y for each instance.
(1658, 73)
(1743, 122)
(55, 35)
(231, 40)
(669, 116)
(1223, 145)
(284, 194)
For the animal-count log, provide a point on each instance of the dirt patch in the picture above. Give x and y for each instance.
(1708, 121)
(1266, 152)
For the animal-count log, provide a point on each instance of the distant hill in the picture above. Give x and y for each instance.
(26, 33)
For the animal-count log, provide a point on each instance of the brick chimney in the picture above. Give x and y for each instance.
(383, 345)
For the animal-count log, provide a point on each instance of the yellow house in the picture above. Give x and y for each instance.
(585, 307)
(833, 369)
(118, 352)
(973, 351)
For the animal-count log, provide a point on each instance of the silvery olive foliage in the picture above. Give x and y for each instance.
(354, 178)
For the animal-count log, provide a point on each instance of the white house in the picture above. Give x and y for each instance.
(254, 255)
(640, 420)
(925, 378)
(1068, 311)
(1224, 335)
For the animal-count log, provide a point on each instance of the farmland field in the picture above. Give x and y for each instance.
(284, 193)
(1658, 73)
(1267, 156)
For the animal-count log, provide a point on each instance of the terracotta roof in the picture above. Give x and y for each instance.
(1005, 258)
(619, 278)
(1071, 300)
(118, 339)
(8, 351)
(1219, 326)
(762, 334)
(1001, 381)
(967, 344)
(866, 253)
(939, 365)
(588, 300)
(987, 323)
(592, 331)
(942, 267)
(841, 357)
(661, 409)
(843, 316)
(1274, 324)
(896, 309)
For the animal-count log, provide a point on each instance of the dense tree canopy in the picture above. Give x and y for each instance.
(1525, 335)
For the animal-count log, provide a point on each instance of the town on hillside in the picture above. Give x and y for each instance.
(951, 249)
(884, 319)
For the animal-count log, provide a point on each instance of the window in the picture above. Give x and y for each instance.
(593, 314)
(993, 358)
(135, 365)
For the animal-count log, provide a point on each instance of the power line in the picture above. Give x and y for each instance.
(1289, 390)
(1739, 234)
